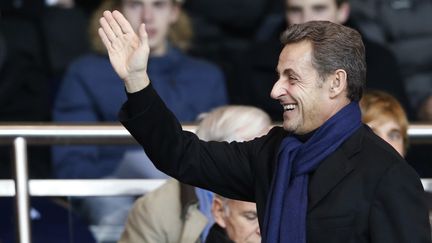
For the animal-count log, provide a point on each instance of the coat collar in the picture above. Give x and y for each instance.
(194, 220)
(334, 168)
(188, 197)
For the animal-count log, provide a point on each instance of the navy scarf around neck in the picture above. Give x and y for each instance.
(285, 216)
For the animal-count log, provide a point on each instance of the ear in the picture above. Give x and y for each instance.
(343, 13)
(338, 83)
(218, 212)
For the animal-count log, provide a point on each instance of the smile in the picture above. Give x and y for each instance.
(289, 107)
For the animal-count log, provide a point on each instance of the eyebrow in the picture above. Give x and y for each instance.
(319, 7)
(293, 8)
(289, 71)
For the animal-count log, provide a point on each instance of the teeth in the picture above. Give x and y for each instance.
(289, 107)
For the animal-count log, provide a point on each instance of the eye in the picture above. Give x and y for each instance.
(160, 4)
(134, 4)
(293, 10)
(395, 135)
(292, 79)
(319, 8)
(250, 216)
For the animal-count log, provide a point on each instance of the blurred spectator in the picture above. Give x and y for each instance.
(255, 75)
(225, 28)
(402, 25)
(236, 221)
(177, 212)
(386, 117)
(384, 114)
(92, 92)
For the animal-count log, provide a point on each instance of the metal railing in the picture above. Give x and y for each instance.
(102, 133)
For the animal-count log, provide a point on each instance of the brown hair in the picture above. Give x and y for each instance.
(334, 47)
(379, 105)
(180, 33)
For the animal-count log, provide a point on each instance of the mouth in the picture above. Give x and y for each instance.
(289, 107)
(151, 32)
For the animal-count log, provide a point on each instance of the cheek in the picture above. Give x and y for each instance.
(133, 17)
(235, 227)
(293, 18)
(398, 145)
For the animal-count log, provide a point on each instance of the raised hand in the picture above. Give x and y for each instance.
(128, 52)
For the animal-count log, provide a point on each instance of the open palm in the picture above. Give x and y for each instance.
(128, 52)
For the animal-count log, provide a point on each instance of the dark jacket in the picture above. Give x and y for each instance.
(363, 192)
(217, 235)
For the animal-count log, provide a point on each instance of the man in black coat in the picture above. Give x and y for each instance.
(322, 177)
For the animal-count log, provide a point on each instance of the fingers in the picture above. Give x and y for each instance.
(109, 33)
(142, 34)
(122, 22)
(115, 27)
(104, 39)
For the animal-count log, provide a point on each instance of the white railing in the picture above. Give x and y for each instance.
(47, 134)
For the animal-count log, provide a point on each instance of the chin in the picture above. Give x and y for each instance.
(289, 127)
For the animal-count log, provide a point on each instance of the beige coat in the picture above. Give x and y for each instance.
(157, 218)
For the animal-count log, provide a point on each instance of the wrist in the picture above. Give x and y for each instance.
(135, 83)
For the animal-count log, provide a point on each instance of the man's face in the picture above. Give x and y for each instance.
(391, 132)
(241, 221)
(301, 91)
(301, 11)
(158, 15)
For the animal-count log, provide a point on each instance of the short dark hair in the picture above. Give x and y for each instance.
(334, 47)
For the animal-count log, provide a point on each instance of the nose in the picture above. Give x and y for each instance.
(277, 90)
(147, 14)
(308, 16)
(258, 231)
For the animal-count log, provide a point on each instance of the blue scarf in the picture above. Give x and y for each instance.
(285, 217)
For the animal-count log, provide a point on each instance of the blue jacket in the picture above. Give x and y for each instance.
(92, 92)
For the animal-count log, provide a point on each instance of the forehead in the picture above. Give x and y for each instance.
(385, 123)
(241, 206)
(309, 3)
(295, 55)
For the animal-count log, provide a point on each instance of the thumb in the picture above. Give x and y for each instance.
(143, 34)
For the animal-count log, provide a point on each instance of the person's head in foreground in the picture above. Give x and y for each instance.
(165, 22)
(238, 218)
(385, 115)
(321, 69)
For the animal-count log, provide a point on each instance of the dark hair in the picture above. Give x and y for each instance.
(334, 47)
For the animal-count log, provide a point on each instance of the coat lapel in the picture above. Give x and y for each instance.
(334, 169)
(194, 220)
(194, 225)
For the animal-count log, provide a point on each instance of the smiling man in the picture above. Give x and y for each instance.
(323, 177)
